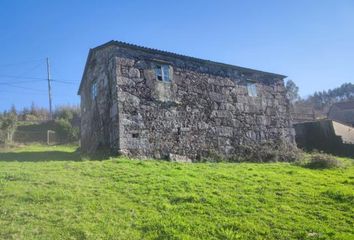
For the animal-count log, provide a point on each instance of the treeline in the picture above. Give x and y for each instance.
(323, 100)
(66, 120)
(318, 103)
(37, 114)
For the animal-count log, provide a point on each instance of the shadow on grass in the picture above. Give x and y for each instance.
(43, 156)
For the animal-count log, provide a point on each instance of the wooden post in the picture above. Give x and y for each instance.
(49, 91)
(48, 136)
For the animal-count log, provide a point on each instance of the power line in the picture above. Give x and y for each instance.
(16, 82)
(63, 81)
(38, 78)
(33, 78)
(27, 88)
(21, 63)
(32, 69)
(21, 77)
(19, 94)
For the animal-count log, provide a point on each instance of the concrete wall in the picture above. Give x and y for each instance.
(326, 135)
(346, 132)
(342, 115)
(206, 107)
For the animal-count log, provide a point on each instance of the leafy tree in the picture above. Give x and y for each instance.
(13, 110)
(33, 110)
(7, 126)
(324, 99)
(292, 91)
(68, 121)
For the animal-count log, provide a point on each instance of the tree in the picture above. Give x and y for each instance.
(292, 91)
(69, 113)
(33, 110)
(324, 99)
(13, 110)
(7, 126)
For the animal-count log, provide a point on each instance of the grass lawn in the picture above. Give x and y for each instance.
(49, 193)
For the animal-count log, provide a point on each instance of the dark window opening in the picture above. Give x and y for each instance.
(179, 131)
(135, 135)
(141, 73)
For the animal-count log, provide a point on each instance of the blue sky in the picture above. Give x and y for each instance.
(312, 42)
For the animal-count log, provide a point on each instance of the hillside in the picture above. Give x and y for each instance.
(50, 193)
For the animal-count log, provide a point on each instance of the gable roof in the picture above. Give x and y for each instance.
(170, 54)
(344, 105)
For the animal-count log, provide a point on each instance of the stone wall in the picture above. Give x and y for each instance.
(99, 115)
(205, 108)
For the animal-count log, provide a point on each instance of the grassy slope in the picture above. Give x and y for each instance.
(48, 194)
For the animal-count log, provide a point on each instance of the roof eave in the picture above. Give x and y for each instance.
(152, 50)
(166, 53)
(85, 70)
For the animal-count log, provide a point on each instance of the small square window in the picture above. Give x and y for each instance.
(163, 73)
(94, 90)
(252, 89)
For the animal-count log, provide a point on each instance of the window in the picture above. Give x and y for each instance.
(94, 90)
(252, 89)
(163, 73)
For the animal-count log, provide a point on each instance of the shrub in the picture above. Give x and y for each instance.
(323, 161)
(66, 132)
(210, 156)
(68, 113)
(30, 118)
(7, 127)
(267, 152)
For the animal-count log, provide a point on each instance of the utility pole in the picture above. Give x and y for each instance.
(49, 91)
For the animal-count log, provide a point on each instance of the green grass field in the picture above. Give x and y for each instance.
(49, 193)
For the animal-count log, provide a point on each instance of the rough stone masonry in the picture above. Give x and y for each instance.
(150, 103)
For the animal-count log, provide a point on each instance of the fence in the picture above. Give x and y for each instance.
(40, 136)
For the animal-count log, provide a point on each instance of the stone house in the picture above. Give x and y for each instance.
(151, 103)
(342, 112)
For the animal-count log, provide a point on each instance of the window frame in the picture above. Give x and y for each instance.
(94, 90)
(252, 89)
(160, 73)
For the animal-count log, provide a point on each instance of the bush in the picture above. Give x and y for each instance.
(68, 113)
(7, 127)
(66, 132)
(267, 152)
(323, 161)
(210, 156)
